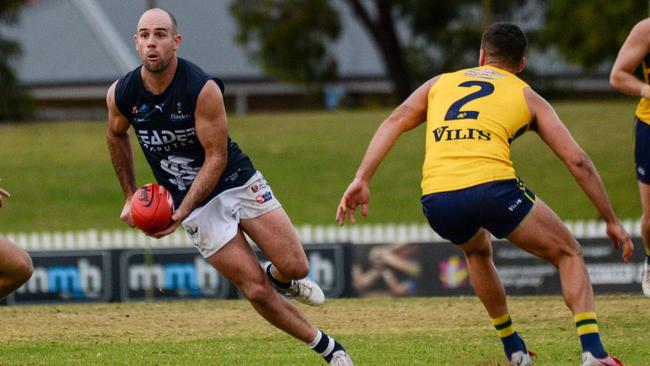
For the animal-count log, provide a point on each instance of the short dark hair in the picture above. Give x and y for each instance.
(505, 42)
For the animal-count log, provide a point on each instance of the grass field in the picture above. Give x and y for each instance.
(415, 331)
(61, 177)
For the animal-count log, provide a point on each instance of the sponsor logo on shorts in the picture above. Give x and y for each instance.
(233, 177)
(640, 170)
(265, 197)
(192, 231)
(258, 187)
(513, 206)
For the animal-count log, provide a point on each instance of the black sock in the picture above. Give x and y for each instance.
(325, 345)
(283, 285)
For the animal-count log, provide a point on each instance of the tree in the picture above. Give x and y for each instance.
(290, 38)
(14, 103)
(591, 32)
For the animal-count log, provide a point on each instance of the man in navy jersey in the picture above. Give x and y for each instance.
(15, 264)
(178, 115)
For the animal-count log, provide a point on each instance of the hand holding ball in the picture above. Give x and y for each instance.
(151, 208)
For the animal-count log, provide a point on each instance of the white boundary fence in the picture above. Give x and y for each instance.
(309, 234)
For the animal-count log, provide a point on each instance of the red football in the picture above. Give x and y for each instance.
(151, 208)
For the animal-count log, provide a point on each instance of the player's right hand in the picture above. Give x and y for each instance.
(357, 194)
(620, 237)
(3, 194)
(126, 213)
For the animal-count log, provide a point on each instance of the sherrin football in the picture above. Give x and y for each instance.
(151, 208)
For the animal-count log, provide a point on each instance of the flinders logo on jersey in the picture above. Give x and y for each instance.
(444, 133)
(179, 116)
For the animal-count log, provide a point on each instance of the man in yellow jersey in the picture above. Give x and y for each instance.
(470, 189)
(634, 52)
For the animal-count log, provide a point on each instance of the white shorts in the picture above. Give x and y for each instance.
(213, 225)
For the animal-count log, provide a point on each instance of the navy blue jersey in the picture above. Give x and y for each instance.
(164, 125)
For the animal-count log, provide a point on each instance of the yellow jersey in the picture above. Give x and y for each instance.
(643, 108)
(472, 117)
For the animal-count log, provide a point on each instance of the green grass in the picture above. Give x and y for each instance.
(605, 130)
(380, 331)
(62, 179)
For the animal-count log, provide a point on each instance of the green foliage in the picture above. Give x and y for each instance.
(454, 29)
(591, 31)
(289, 38)
(14, 102)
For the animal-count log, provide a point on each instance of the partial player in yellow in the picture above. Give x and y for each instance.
(470, 189)
(635, 52)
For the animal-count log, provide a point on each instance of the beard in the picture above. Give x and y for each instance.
(156, 66)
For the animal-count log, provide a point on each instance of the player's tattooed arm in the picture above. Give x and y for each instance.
(121, 153)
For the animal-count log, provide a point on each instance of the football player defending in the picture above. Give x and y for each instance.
(15, 264)
(470, 189)
(178, 115)
(634, 52)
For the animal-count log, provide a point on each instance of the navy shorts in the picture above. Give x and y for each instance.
(642, 151)
(498, 206)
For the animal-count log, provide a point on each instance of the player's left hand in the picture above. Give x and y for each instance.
(620, 237)
(177, 219)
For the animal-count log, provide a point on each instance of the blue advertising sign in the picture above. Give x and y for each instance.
(71, 276)
(169, 274)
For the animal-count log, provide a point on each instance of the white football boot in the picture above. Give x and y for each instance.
(520, 358)
(304, 290)
(645, 280)
(341, 358)
(589, 360)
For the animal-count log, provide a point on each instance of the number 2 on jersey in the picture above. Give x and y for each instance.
(454, 111)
